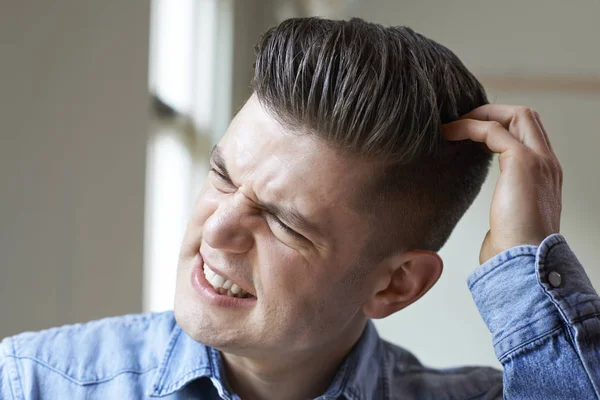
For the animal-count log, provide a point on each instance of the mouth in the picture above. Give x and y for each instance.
(217, 289)
(224, 286)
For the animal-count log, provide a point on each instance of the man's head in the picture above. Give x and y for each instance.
(332, 188)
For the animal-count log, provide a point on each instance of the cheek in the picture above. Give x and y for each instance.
(308, 303)
(289, 278)
(287, 273)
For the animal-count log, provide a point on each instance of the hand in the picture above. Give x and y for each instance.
(526, 205)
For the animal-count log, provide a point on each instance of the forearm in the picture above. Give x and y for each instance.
(544, 316)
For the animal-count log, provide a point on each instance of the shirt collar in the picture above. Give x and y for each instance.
(186, 360)
(357, 376)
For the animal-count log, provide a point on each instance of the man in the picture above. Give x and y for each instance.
(327, 200)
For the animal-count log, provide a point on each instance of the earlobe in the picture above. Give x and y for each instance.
(411, 275)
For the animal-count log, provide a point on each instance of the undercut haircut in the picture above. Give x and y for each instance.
(380, 94)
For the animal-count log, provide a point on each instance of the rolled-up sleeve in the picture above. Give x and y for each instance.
(543, 313)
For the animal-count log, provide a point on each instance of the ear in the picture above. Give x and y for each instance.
(408, 277)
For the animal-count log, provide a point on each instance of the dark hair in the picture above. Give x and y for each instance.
(382, 94)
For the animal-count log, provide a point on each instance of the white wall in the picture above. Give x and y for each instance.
(533, 37)
(73, 121)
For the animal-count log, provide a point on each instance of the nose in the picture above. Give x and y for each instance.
(225, 228)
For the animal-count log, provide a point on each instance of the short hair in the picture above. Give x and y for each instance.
(382, 94)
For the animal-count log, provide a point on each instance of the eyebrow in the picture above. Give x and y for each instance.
(216, 157)
(287, 214)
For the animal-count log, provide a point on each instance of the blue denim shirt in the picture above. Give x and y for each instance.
(537, 302)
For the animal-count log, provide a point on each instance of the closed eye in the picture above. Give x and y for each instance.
(284, 227)
(221, 176)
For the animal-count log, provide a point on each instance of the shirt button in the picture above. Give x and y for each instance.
(555, 279)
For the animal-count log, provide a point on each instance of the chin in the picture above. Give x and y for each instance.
(201, 325)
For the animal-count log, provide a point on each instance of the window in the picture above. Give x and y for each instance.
(181, 79)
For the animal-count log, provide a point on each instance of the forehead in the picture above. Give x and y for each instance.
(299, 169)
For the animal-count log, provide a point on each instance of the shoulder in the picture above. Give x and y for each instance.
(97, 350)
(410, 376)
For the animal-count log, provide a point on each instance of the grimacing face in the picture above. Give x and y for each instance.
(243, 226)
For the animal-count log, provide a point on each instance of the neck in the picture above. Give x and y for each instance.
(301, 375)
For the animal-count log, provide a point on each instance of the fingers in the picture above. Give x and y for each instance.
(521, 122)
(492, 133)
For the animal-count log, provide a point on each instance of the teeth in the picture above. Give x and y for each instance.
(217, 281)
(222, 286)
(235, 289)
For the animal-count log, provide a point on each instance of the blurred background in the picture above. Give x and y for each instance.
(109, 109)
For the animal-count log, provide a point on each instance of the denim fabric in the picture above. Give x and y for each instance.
(546, 337)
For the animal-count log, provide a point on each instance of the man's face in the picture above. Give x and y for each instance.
(275, 218)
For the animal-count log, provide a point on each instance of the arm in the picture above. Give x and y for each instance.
(545, 328)
(530, 289)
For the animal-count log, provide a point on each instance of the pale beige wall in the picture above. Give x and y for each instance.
(73, 120)
(508, 35)
(495, 37)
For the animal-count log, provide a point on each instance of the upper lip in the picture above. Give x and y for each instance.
(240, 282)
